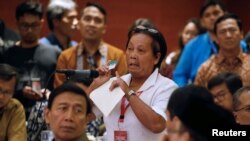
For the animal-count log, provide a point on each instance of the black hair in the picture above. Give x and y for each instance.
(2, 27)
(195, 107)
(57, 11)
(33, 8)
(143, 22)
(197, 24)
(175, 104)
(200, 29)
(84, 81)
(208, 3)
(233, 81)
(99, 7)
(68, 87)
(7, 72)
(225, 17)
(158, 45)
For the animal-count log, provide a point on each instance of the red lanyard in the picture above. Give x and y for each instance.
(124, 107)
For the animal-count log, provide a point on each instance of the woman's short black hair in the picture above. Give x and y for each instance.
(159, 44)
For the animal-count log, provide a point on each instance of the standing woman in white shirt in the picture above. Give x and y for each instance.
(140, 115)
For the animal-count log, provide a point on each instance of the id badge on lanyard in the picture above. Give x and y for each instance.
(121, 135)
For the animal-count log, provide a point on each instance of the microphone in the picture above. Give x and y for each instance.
(79, 73)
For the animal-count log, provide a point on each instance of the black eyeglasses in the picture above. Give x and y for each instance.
(220, 96)
(26, 26)
(246, 108)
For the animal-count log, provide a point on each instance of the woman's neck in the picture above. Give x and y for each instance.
(136, 83)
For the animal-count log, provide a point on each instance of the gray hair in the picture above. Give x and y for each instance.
(66, 4)
(56, 10)
(236, 101)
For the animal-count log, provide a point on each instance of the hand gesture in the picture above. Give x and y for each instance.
(29, 93)
(119, 83)
(104, 76)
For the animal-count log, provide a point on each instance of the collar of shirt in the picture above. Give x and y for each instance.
(9, 105)
(82, 51)
(54, 41)
(151, 81)
(221, 59)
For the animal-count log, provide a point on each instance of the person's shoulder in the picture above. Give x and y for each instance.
(113, 48)
(69, 51)
(47, 49)
(198, 40)
(14, 103)
(12, 50)
(245, 59)
(164, 80)
(44, 40)
(211, 61)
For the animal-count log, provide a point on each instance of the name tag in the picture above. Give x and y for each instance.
(121, 136)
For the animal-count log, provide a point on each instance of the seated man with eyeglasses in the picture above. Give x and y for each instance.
(12, 115)
(222, 87)
(241, 105)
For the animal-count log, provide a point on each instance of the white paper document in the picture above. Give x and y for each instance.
(105, 99)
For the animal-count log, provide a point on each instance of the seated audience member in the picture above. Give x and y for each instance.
(222, 87)
(67, 113)
(201, 48)
(36, 123)
(241, 105)
(193, 115)
(230, 58)
(12, 115)
(62, 22)
(191, 29)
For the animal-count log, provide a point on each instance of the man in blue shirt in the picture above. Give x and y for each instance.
(202, 47)
(62, 22)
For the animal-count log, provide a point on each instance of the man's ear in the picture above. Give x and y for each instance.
(236, 117)
(46, 112)
(104, 29)
(158, 56)
(42, 23)
(241, 35)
